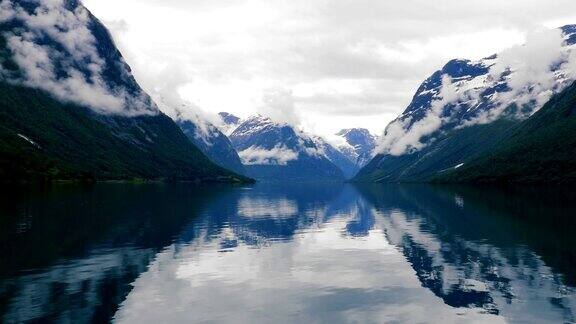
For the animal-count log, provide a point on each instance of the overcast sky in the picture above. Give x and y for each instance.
(324, 64)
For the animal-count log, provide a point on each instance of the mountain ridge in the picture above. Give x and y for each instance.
(71, 114)
(359, 145)
(541, 149)
(464, 110)
(273, 151)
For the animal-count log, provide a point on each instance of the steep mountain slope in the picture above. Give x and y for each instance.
(540, 149)
(202, 133)
(274, 151)
(70, 108)
(212, 142)
(359, 146)
(465, 109)
(337, 157)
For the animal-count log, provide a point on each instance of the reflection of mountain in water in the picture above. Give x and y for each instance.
(267, 212)
(472, 248)
(486, 248)
(69, 253)
(336, 252)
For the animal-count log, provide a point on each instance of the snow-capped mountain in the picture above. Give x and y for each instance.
(359, 145)
(70, 107)
(277, 151)
(540, 149)
(337, 157)
(228, 123)
(465, 108)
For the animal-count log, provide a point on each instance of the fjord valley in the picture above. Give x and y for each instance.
(269, 161)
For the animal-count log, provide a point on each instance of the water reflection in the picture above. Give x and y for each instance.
(285, 253)
(70, 253)
(508, 251)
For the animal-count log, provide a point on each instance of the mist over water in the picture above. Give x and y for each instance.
(286, 253)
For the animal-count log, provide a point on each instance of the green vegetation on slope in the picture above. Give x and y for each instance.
(446, 152)
(541, 149)
(44, 139)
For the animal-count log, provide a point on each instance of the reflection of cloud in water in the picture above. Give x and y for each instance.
(307, 254)
(323, 274)
(267, 208)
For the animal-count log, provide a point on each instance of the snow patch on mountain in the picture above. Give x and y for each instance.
(27, 139)
(357, 144)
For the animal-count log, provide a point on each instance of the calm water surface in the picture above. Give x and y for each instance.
(287, 253)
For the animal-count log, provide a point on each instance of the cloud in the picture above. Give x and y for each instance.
(68, 66)
(380, 49)
(36, 63)
(7, 11)
(279, 155)
(279, 106)
(345, 97)
(403, 136)
(533, 78)
(164, 84)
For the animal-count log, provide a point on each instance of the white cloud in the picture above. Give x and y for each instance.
(7, 11)
(279, 155)
(532, 79)
(401, 136)
(278, 105)
(36, 63)
(341, 59)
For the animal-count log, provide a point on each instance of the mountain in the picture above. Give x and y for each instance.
(467, 108)
(212, 142)
(202, 133)
(229, 122)
(337, 157)
(540, 149)
(273, 151)
(359, 145)
(71, 109)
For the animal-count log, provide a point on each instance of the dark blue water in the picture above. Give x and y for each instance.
(158, 253)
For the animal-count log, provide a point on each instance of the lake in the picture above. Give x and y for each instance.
(309, 253)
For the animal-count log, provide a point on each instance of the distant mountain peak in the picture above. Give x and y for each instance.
(275, 151)
(228, 122)
(360, 145)
(228, 118)
(353, 131)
